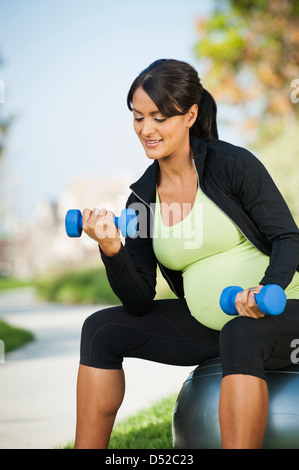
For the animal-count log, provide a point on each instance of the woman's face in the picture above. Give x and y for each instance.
(160, 137)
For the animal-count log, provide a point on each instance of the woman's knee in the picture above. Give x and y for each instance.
(92, 324)
(98, 346)
(241, 347)
(233, 334)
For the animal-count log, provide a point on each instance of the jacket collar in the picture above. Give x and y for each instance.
(145, 187)
(200, 151)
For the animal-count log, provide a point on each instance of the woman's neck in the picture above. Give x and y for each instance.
(176, 170)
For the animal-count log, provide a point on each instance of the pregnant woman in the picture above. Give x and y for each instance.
(210, 216)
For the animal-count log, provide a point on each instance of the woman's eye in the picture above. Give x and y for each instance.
(139, 119)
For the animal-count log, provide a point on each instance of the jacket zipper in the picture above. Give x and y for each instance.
(160, 266)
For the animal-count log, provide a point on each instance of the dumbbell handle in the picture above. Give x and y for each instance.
(271, 299)
(73, 223)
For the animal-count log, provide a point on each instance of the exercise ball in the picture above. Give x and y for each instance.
(195, 423)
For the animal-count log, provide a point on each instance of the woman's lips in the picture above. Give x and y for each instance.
(152, 143)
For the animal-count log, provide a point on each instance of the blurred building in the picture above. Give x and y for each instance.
(41, 245)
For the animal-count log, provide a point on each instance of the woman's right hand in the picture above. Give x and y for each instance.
(246, 305)
(99, 225)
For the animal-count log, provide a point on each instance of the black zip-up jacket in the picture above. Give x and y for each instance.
(237, 182)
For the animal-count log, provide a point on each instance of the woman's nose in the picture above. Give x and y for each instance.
(148, 127)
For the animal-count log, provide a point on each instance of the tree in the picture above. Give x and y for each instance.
(250, 50)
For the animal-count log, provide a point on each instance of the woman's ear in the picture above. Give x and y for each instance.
(192, 115)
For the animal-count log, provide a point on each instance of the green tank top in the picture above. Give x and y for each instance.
(212, 254)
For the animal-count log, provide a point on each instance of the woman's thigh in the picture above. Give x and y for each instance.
(167, 333)
(250, 346)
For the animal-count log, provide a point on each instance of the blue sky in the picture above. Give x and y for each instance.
(67, 67)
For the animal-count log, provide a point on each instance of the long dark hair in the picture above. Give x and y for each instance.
(174, 86)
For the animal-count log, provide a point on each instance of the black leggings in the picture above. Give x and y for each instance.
(170, 335)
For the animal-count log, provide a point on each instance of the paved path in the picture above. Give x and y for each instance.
(38, 381)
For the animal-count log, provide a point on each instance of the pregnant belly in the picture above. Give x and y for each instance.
(205, 279)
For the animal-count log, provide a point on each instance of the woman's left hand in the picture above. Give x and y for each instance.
(246, 304)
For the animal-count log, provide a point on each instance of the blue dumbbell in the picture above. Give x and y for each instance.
(126, 223)
(271, 299)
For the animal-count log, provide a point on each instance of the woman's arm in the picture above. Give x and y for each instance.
(134, 286)
(132, 276)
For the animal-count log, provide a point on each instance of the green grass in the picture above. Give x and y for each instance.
(12, 283)
(148, 429)
(13, 337)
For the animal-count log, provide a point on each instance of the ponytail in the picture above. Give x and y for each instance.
(205, 125)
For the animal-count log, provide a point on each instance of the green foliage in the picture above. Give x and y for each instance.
(250, 51)
(88, 286)
(13, 337)
(246, 6)
(224, 39)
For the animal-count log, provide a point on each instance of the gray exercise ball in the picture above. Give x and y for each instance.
(195, 423)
